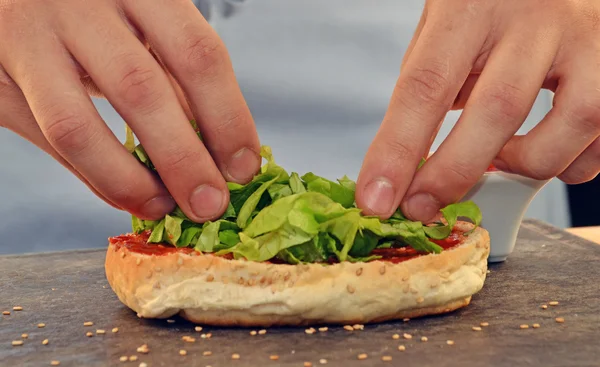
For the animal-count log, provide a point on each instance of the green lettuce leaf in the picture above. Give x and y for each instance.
(173, 229)
(451, 213)
(188, 236)
(336, 191)
(296, 184)
(129, 139)
(245, 212)
(306, 219)
(157, 232)
(209, 238)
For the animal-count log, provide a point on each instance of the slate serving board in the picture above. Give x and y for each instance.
(65, 289)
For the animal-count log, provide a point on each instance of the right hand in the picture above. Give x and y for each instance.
(54, 54)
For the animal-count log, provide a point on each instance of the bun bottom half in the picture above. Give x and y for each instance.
(212, 290)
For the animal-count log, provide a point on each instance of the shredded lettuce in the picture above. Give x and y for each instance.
(296, 219)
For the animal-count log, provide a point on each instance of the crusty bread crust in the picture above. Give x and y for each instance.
(215, 291)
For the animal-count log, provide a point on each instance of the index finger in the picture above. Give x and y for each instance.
(196, 56)
(432, 77)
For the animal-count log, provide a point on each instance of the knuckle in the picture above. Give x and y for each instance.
(461, 174)
(124, 195)
(201, 54)
(428, 84)
(68, 132)
(504, 100)
(540, 169)
(180, 159)
(584, 114)
(399, 151)
(233, 123)
(138, 88)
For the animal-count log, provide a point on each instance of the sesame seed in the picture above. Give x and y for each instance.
(6, 313)
(309, 331)
(24, 336)
(362, 356)
(476, 328)
(262, 332)
(386, 358)
(123, 358)
(89, 334)
(322, 361)
(182, 352)
(143, 364)
(207, 353)
(88, 323)
(307, 364)
(171, 321)
(17, 343)
(450, 342)
(524, 326)
(401, 348)
(358, 327)
(133, 358)
(100, 331)
(424, 339)
(560, 320)
(210, 278)
(350, 289)
(553, 303)
(274, 357)
(54, 363)
(348, 327)
(115, 329)
(235, 356)
(420, 300)
(45, 342)
(198, 328)
(485, 324)
(323, 329)
(138, 261)
(395, 336)
(406, 320)
(359, 272)
(253, 332)
(544, 307)
(535, 326)
(407, 336)
(382, 270)
(41, 325)
(17, 308)
(143, 349)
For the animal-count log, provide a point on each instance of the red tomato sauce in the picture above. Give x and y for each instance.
(139, 243)
(398, 255)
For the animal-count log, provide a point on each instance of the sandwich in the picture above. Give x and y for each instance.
(295, 250)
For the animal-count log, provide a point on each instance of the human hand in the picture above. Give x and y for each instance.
(54, 53)
(490, 58)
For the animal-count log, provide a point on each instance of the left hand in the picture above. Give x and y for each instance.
(492, 58)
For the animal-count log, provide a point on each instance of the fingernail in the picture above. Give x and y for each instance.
(379, 195)
(206, 202)
(157, 207)
(421, 207)
(243, 165)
